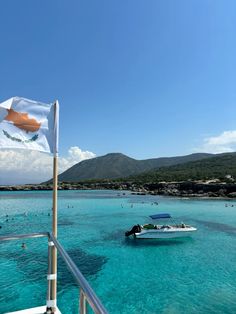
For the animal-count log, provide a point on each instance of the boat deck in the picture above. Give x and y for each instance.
(34, 310)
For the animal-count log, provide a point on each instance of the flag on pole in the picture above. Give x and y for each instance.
(29, 124)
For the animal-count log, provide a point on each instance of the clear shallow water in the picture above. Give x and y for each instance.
(195, 275)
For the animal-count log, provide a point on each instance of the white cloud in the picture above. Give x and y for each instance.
(23, 166)
(75, 155)
(223, 143)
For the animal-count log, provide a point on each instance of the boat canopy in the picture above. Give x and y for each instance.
(160, 216)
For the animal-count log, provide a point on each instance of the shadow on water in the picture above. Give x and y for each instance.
(65, 223)
(34, 266)
(217, 226)
(156, 242)
(88, 264)
(33, 269)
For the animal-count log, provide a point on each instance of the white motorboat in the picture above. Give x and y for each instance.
(166, 231)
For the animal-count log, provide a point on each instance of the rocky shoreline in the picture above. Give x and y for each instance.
(177, 189)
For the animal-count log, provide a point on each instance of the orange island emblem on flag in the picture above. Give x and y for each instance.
(22, 121)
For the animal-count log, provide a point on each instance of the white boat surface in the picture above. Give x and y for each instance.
(35, 310)
(151, 231)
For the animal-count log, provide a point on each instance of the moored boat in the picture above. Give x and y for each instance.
(165, 231)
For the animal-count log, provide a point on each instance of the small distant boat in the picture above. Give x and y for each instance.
(151, 231)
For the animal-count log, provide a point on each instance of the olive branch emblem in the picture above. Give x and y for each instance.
(15, 139)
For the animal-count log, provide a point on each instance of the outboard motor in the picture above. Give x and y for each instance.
(134, 230)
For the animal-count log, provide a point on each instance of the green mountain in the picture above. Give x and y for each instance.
(216, 167)
(116, 165)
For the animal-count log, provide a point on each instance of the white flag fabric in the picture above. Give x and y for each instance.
(29, 124)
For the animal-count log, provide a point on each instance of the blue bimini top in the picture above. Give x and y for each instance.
(160, 216)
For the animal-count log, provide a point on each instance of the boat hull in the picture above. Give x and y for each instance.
(165, 233)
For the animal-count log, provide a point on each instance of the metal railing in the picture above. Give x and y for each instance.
(86, 294)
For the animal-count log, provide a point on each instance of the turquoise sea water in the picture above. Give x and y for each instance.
(196, 275)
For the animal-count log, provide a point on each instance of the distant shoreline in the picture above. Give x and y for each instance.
(175, 189)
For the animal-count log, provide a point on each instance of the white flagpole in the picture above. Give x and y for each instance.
(54, 207)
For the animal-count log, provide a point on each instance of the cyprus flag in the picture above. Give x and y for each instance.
(29, 124)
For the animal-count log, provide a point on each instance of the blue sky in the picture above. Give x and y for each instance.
(146, 78)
